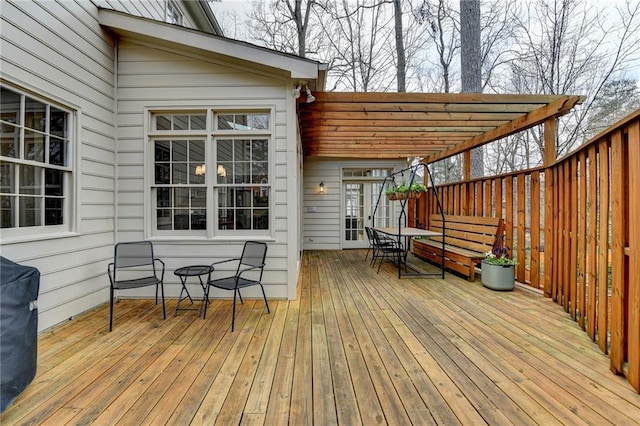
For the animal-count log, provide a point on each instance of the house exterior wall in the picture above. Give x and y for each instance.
(152, 9)
(57, 51)
(154, 78)
(322, 217)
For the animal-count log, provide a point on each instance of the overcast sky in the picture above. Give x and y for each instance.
(228, 11)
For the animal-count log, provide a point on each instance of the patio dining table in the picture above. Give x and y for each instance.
(407, 233)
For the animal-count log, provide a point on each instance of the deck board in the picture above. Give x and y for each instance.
(356, 347)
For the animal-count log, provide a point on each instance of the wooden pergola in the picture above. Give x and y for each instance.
(428, 125)
(568, 221)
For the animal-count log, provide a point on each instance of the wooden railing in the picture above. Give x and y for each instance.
(574, 228)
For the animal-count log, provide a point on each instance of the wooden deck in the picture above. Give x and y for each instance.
(355, 348)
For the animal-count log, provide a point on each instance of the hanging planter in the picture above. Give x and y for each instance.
(416, 190)
(399, 192)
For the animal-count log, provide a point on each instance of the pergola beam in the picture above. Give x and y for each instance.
(397, 125)
(554, 109)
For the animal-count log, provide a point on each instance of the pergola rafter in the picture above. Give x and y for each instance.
(428, 125)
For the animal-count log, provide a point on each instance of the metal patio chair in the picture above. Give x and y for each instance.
(248, 273)
(387, 247)
(135, 266)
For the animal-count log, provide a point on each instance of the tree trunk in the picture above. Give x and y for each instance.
(471, 71)
(402, 62)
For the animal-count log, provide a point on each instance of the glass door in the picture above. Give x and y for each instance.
(354, 215)
(359, 204)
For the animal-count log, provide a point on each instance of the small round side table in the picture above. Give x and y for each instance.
(192, 271)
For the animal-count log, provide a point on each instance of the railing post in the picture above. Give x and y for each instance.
(616, 353)
(550, 130)
(634, 257)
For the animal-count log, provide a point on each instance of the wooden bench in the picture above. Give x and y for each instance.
(467, 240)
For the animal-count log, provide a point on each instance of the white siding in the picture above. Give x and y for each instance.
(322, 216)
(150, 77)
(58, 51)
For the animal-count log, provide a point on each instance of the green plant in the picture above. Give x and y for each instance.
(500, 259)
(418, 187)
(402, 189)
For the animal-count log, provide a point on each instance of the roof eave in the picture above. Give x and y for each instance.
(143, 28)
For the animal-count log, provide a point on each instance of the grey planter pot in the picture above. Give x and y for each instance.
(497, 277)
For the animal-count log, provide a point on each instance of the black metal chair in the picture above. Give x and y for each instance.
(371, 247)
(386, 247)
(135, 266)
(375, 245)
(248, 273)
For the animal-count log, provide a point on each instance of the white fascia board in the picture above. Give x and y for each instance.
(299, 68)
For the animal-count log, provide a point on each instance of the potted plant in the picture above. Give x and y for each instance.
(402, 191)
(416, 190)
(498, 271)
(391, 194)
(398, 192)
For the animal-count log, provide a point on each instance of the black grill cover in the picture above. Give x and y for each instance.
(19, 287)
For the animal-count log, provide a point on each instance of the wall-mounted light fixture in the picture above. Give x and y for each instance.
(310, 97)
(200, 170)
(321, 188)
(296, 91)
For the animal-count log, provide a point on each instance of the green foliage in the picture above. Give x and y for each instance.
(501, 260)
(418, 187)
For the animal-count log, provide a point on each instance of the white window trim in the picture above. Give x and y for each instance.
(72, 203)
(212, 232)
(172, 4)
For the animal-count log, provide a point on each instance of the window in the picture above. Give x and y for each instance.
(242, 176)
(235, 146)
(180, 191)
(174, 16)
(35, 167)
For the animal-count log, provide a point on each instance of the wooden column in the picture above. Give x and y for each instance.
(550, 128)
(550, 132)
(603, 244)
(618, 290)
(634, 257)
(467, 202)
(466, 165)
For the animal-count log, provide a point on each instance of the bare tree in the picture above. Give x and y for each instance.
(570, 47)
(470, 55)
(470, 66)
(283, 25)
(442, 27)
(402, 62)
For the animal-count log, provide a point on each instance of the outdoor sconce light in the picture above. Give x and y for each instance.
(321, 188)
(296, 91)
(310, 97)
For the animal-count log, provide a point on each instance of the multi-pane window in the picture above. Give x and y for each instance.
(243, 183)
(35, 172)
(174, 16)
(181, 196)
(234, 148)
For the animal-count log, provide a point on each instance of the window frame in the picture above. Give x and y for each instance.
(210, 135)
(69, 181)
(173, 14)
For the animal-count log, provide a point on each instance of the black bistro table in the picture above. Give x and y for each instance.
(192, 271)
